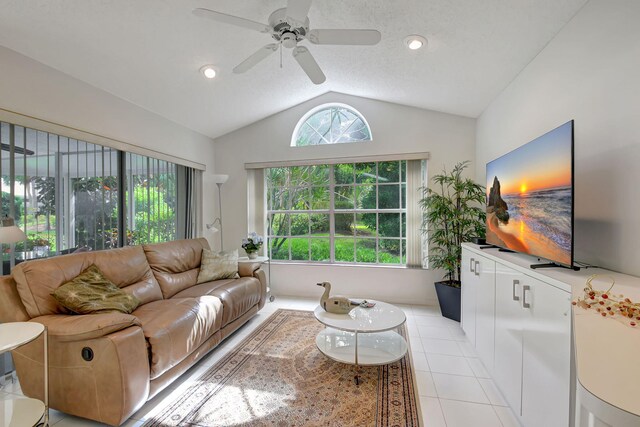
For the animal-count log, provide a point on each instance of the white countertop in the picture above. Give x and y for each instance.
(607, 350)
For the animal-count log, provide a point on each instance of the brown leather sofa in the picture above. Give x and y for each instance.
(106, 366)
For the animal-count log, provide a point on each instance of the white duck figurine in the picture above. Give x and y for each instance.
(336, 304)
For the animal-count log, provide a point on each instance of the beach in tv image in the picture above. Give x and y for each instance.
(529, 197)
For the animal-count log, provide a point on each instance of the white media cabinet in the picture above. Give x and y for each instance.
(555, 364)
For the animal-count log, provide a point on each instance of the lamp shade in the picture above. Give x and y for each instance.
(9, 233)
(220, 179)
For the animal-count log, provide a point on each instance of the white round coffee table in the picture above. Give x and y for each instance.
(364, 337)
(24, 411)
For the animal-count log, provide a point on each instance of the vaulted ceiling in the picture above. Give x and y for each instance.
(148, 52)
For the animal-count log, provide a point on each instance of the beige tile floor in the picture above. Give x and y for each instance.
(454, 388)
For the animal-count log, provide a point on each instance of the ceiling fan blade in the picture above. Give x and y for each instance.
(298, 9)
(253, 60)
(233, 20)
(309, 64)
(345, 37)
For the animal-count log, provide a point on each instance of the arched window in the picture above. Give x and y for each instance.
(331, 124)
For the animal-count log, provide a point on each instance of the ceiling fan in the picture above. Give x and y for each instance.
(289, 26)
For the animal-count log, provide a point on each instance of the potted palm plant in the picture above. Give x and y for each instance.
(453, 213)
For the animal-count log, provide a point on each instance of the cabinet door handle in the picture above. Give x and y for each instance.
(525, 304)
(471, 266)
(515, 283)
(477, 269)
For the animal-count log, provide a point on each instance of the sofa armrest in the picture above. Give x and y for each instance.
(247, 269)
(70, 327)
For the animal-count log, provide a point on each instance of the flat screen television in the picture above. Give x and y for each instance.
(530, 198)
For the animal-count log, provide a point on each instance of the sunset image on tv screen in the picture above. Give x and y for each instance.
(529, 197)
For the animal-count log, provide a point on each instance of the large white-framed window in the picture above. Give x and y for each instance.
(332, 123)
(344, 213)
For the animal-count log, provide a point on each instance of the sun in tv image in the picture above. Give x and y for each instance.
(529, 197)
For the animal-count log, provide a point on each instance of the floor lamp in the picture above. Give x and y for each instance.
(10, 233)
(219, 180)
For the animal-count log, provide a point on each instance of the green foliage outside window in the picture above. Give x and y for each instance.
(299, 202)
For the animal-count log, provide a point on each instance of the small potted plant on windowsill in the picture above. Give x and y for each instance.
(252, 244)
(452, 214)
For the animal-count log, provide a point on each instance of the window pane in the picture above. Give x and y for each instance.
(389, 251)
(278, 198)
(344, 173)
(276, 177)
(279, 225)
(365, 173)
(388, 197)
(299, 249)
(366, 225)
(307, 136)
(404, 196)
(403, 226)
(366, 197)
(320, 250)
(344, 224)
(320, 198)
(331, 124)
(299, 198)
(279, 248)
(151, 200)
(389, 172)
(366, 250)
(389, 224)
(320, 224)
(319, 175)
(344, 249)
(94, 197)
(299, 224)
(404, 251)
(344, 197)
(403, 171)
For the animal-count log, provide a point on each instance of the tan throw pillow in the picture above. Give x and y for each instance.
(91, 292)
(218, 265)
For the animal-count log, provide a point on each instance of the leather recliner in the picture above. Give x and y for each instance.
(106, 366)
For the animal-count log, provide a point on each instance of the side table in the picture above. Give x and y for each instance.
(262, 260)
(24, 411)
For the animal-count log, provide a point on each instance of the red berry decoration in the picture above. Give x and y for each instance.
(609, 304)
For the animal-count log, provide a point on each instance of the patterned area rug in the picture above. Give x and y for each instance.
(277, 377)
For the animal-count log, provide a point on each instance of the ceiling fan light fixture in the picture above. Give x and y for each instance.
(415, 42)
(208, 71)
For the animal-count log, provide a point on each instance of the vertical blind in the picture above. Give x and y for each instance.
(67, 193)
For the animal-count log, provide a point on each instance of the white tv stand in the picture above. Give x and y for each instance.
(555, 364)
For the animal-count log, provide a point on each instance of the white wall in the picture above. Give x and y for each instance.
(31, 88)
(396, 129)
(588, 72)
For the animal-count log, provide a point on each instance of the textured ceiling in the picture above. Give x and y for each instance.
(149, 52)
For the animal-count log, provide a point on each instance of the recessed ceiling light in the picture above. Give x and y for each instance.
(208, 71)
(415, 42)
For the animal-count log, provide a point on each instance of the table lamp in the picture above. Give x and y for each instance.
(10, 233)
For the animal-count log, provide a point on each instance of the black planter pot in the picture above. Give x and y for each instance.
(449, 300)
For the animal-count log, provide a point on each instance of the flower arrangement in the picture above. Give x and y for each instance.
(252, 243)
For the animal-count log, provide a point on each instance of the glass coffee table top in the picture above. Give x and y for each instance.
(381, 317)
